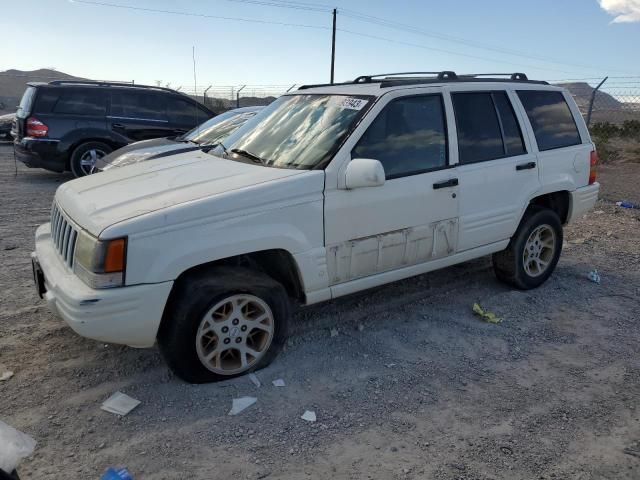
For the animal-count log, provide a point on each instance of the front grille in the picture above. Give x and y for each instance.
(63, 235)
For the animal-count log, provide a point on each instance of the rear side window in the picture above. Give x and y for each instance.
(551, 119)
(81, 102)
(408, 137)
(183, 112)
(138, 106)
(25, 103)
(487, 127)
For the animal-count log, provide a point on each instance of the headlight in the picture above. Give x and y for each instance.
(100, 263)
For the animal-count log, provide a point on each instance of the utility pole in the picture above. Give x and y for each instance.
(333, 44)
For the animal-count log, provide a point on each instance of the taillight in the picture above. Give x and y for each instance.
(592, 166)
(35, 128)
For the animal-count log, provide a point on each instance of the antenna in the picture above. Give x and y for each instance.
(195, 86)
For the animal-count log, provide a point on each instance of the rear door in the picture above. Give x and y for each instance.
(138, 115)
(497, 168)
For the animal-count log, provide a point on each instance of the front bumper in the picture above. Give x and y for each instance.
(40, 153)
(582, 200)
(125, 315)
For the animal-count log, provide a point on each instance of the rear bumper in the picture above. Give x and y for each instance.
(125, 315)
(40, 153)
(582, 200)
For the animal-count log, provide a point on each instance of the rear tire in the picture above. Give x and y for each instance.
(533, 252)
(222, 323)
(85, 157)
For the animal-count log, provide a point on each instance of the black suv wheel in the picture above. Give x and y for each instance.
(85, 157)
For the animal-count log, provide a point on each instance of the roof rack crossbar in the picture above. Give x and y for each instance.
(112, 84)
(512, 76)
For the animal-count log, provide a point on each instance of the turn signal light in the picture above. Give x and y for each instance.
(592, 166)
(114, 257)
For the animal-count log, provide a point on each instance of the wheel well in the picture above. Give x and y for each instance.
(278, 264)
(557, 201)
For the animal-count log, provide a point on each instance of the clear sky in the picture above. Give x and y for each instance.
(549, 39)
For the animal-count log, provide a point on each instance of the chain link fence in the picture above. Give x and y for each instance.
(615, 102)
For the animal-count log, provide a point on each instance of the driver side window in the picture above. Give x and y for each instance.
(408, 137)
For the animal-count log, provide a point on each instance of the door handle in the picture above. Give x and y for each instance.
(526, 166)
(117, 125)
(452, 182)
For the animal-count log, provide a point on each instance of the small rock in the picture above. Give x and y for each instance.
(309, 416)
(334, 332)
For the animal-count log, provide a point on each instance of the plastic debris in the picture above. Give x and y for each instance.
(626, 204)
(334, 332)
(594, 276)
(240, 404)
(6, 376)
(278, 382)
(254, 380)
(309, 416)
(120, 404)
(14, 446)
(119, 474)
(486, 316)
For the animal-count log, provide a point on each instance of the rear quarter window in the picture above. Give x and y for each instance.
(551, 119)
(81, 102)
(25, 103)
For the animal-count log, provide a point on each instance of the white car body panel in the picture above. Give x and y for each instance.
(191, 209)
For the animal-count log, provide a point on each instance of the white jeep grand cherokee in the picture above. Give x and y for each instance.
(330, 190)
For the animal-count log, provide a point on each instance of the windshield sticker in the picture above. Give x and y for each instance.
(348, 102)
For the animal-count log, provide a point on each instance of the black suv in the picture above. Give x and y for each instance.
(68, 125)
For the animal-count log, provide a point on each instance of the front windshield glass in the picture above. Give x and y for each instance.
(298, 131)
(218, 128)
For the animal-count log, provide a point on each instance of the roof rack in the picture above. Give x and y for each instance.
(415, 78)
(112, 84)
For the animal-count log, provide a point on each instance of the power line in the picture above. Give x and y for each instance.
(358, 16)
(202, 15)
(449, 52)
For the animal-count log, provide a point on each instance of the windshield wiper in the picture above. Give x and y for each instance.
(251, 156)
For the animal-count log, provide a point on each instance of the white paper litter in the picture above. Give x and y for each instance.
(278, 382)
(240, 404)
(254, 380)
(309, 416)
(120, 404)
(6, 376)
(14, 446)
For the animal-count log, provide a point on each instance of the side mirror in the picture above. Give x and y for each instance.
(364, 172)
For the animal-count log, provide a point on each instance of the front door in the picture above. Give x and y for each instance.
(497, 169)
(412, 218)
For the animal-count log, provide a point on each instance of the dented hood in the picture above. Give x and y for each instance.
(98, 201)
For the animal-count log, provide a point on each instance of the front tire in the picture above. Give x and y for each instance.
(84, 159)
(533, 252)
(223, 323)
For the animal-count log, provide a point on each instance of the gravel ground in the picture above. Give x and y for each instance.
(414, 386)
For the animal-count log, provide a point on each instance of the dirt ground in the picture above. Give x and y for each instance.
(414, 386)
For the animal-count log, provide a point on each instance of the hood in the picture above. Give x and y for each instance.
(98, 201)
(144, 150)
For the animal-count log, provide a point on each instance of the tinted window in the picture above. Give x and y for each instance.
(25, 103)
(479, 135)
(512, 135)
(81, 102)
(408, 136)
(137, 105)
(551, 119)
(184, 113)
